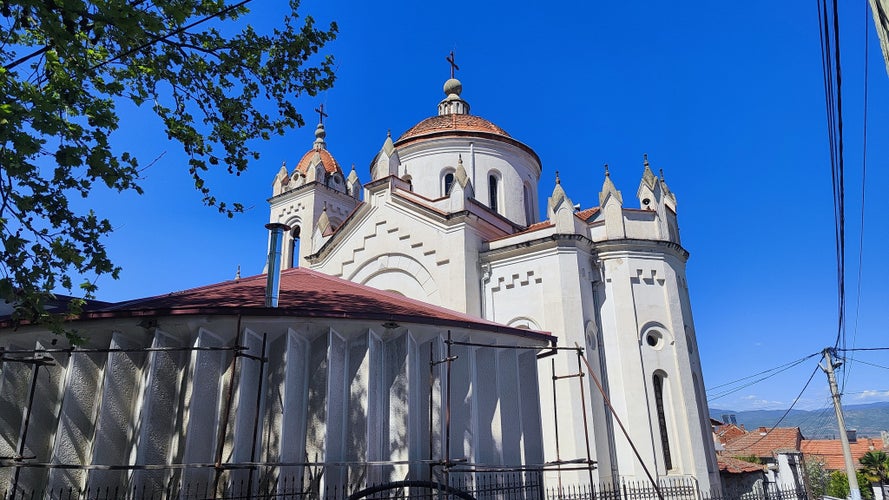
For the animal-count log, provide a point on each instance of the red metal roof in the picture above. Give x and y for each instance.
(304, 293)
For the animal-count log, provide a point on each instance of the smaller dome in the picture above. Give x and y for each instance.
(316, 156)
(453, 86)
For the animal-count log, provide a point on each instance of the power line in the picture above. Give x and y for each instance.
(863, 191)
(830, 61)
(787, 412)
(771, 373)
(870, 364)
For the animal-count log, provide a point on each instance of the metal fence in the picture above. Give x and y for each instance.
(464, 485)
(670, 489)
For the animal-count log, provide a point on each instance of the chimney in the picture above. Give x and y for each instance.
(273, 281)
(852, 434)
(763, 431)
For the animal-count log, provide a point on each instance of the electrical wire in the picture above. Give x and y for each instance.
(831, 67)
(869, 364)
(787, 412)
(863, 192)
(771, 373)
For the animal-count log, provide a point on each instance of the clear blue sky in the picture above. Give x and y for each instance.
(728, 99)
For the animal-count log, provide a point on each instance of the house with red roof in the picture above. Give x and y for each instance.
(830, 451)
(775, 450)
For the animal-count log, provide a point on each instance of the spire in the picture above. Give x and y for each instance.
(353, 176)
(320, 134)
(353, 185)
(388, 145)
(560, 209)
(323, 221)
(669, 196)
(386, 162)
(608, 189)
(460, 172)
(648, 176)
(453, 104)
(238, 273)
(558, 193)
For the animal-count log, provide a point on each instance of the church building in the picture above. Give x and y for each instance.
(425, 325)
(450, 217)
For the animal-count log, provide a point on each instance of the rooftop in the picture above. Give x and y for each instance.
(831, 451)
(303, 293)
(764, 442)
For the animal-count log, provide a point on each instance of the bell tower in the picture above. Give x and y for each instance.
(315, 197)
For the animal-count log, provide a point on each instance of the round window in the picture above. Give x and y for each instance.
(654, 339)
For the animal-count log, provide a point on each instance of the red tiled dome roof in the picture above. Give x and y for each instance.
(452, 122)
(324, 156)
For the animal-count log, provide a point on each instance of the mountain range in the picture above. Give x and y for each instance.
(867, 419)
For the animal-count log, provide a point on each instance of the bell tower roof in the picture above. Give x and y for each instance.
(319, 153)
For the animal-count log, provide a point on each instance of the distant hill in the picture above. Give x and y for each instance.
(868, 419)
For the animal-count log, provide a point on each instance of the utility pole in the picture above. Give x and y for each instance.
(854, 491)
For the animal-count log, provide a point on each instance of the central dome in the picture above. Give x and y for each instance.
(446, 124)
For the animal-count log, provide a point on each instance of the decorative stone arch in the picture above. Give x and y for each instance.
(528, 203)
(524, 323)
(447, 179)
(290, 257)
(663, 408)
(413, 277)
(494, 181)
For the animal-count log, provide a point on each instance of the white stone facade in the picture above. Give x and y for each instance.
(449, 217)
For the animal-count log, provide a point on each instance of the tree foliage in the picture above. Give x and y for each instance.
(817, 475)
(67, 66)
(838, 485)
(875, 466)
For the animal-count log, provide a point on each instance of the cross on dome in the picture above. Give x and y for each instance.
(321, 113)
(453, 63)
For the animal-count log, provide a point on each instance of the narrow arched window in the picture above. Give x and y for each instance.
(529, 205)
(658, 382)
(294, 247)
(448, 183)
(492, 192)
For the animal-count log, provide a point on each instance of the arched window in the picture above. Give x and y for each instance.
(447, 183)
(492, 192)
(658, 382)
(294, 247)
(529, 205)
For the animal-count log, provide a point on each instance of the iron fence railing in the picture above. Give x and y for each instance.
(309, 483)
